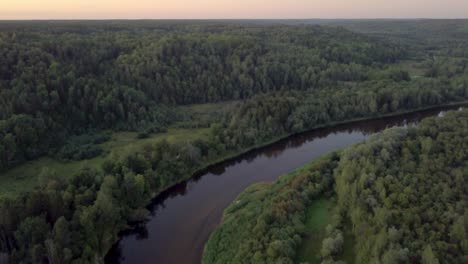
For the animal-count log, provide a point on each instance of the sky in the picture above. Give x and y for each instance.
(230, 9)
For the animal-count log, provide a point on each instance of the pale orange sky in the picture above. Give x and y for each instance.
(166, 9)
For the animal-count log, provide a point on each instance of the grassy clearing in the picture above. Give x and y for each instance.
(318, 216)
(414, 68)
(203, 115)
(126, 142)
(206, 109)
(24, 178)
(348, 247)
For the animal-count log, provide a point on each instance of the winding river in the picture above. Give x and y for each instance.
(183, 217)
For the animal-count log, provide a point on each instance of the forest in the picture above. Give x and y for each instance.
(68, 88)
(64, 80)
(402, 195)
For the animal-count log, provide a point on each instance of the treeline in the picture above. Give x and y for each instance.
(69, 78)
(272, 115)
(424, 38)
(403, 192)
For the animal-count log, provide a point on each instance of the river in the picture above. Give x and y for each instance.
(183, 217)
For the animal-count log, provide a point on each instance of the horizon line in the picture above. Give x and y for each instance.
(227, 19)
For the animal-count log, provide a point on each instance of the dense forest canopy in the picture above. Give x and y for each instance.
(62, 78)
(402, 194)
(66, 87)
(65, 78)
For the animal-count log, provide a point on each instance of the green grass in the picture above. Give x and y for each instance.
(317, 218)
(206, 109)
(414, 68)
(348, 255)
(203, 115)
(125, 142)
(24, 178)
(463, 29)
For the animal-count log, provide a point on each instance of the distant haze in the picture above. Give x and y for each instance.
(213, 9)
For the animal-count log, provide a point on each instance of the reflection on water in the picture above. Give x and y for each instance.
(183, 217)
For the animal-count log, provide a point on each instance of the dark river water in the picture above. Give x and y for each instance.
(183, 217)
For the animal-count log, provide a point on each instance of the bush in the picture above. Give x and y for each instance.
(83, 147)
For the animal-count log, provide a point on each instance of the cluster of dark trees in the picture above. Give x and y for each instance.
(83, 147)
(23, 137)
(403, 193)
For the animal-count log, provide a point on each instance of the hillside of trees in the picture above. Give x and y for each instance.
(65, 87)
(402, 192)
(60, 79)
(415, 211)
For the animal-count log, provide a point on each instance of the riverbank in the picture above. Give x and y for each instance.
(284, 221)
(190, 204)
(234, 155)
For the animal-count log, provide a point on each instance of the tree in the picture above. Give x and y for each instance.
(332, 245)
(428, 256)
